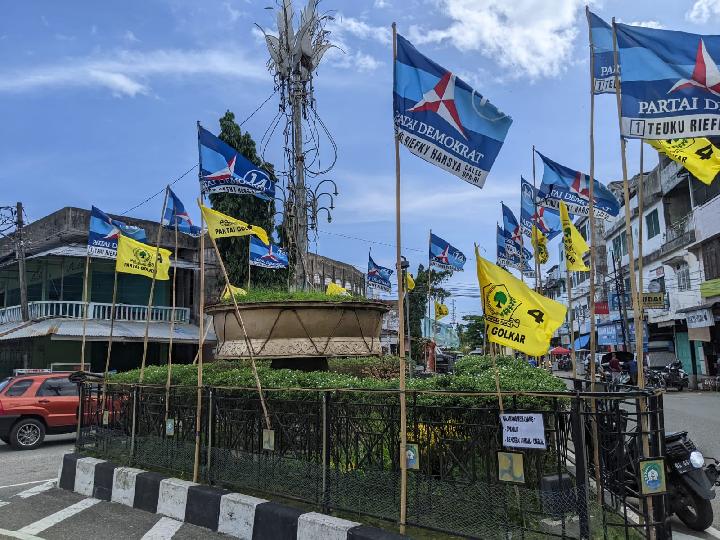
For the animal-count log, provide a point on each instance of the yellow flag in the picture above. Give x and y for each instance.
(539, 242)
(409, 282)
(699, 156)
(441, 310)
(134, 257)
(575, 245)
(232, 290)
(223, 226)
(515, 315)
(333, 289)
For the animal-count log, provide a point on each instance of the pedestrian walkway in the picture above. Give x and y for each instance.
(41, 511)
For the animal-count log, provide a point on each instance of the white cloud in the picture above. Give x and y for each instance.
(233, 14)
(343, 26)
(648, 24)
(357, 60)
(126, 73)
(703, 10)
(380, 4)
(531, 38)
(130, 37)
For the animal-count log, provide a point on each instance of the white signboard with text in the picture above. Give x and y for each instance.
(523, 430)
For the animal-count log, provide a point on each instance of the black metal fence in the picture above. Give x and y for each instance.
(339, 451)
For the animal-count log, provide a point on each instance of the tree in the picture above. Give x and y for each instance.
(418, 305)
(472, 332)
(248, 208)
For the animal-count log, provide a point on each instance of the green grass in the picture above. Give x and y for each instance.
(281, 295)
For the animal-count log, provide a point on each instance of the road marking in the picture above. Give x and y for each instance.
(29, 483)
(53, 519)
(3, 503)
(163, 529)
(18, 535)
(35, 490)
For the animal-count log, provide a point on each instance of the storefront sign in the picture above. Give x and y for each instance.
(699, 318)
(653, 300)
(601, 308)
(523, 431)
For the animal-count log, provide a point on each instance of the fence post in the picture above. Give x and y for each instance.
(208, 473)
(134, 423)
(325, 449)
(578, 436)
(81, 397)
(657, 448)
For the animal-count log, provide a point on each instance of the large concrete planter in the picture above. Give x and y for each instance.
(299, 329)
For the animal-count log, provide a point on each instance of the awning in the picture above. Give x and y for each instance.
(99, 330)
(581, 343)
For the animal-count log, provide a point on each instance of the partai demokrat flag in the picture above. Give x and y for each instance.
(134, 257)
(670, 83)
(601, 43)
(444, 255)
(560, 183)
(699, 156)
(267, 255)
(515, 315)
(511, 229)
(177, 216)
(104, 232)
(574, 243)
(223, 226)
(378, 277)
(531, 213)
(442, 119)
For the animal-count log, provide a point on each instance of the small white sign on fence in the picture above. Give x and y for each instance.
(523, 430)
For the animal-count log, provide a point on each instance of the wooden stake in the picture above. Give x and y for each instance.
(112, 326)
(201, 343)
(640, 330)
(172, 329)
(248, 281)
(568, 283)
(152, 288)
(401, 286)
(86, 307)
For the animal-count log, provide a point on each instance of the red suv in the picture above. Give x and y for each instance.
(33, 405)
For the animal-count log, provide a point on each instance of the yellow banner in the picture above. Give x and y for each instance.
(699, 156)
(409, 282)
(441, 310)
(515, 315)
(333, 289)
(134, 257)
(575, 245)
(539, 242)
(222, 226)
(232, 290)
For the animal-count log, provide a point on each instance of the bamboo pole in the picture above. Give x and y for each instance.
(112, 325)
(591, 218)
(631, 264)
(401, 286)
(86, 307)
(201, 343)
(152, 288)
(538, 278)
(429, 317)
(640, 330)
(571, 314)
(172, 327)
(249, 265)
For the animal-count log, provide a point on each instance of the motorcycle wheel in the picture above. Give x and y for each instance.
(697, 514)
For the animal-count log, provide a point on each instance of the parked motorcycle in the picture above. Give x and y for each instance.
(654, 379)
(675, 376)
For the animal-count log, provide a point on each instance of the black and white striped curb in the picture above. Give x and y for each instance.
(241, 516)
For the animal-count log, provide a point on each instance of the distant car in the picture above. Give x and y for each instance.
(33, 405)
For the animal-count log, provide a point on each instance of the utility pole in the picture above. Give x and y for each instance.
(20, 255)
(620, 290)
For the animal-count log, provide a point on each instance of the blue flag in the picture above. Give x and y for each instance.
(670, 83)
(508, 256)
(547, 220)
(444, 255)
(442, 119)
(267, 256)
(378, 277)
(511, 230)
(104, 232)
(224, 170)
(601, 43)
(573, 188)
(176, 215)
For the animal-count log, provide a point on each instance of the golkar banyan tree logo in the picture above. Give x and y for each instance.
(500, 305)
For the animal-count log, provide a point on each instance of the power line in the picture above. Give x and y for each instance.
(151, 197)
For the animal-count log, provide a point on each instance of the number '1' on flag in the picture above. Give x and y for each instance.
(442, 119)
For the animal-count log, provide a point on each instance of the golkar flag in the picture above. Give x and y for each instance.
(699, 156)
(134, 257)
(223, 226)
(224, 170)
(515, 315)
(442, 119)
(104, 233)
(574, 243)
(573, 188)
(267, 255)
(177, 217)
(378, 277)
(531, 213)
(602, 50)
(444, 255)
(670, 83)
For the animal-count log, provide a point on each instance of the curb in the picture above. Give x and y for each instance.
(234, 514)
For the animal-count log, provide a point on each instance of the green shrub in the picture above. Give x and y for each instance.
(282, 295)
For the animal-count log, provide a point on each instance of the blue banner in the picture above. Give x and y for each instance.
(444, 255)
(176, 215)
(442, 119)
(670, 83)
(509, 259)
(378, 277)
(573, 188)
(601, 42)
(547, 220)
(104, 232)
(512, 233)
(267, 256)
(224, 170)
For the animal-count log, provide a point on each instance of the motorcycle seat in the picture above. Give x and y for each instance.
(674, 435)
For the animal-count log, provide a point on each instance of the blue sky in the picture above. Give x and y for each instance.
(99, 103)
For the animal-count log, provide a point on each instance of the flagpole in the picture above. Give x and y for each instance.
(631, 263)
(568, 284)
(86, 305)
(538, 279)
(112, 325)
(427, 352)
(248, 281)
(640, 330)
(201, 343)
(401, 286)
(148, 313)
(172, 326)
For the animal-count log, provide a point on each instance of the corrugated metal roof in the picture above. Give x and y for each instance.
(98, 330)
